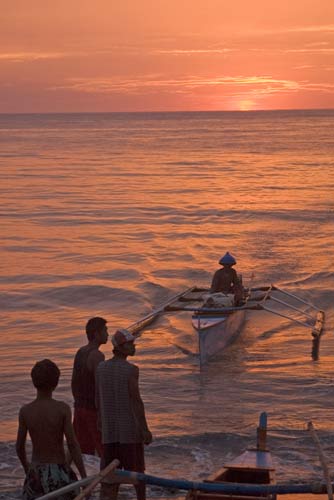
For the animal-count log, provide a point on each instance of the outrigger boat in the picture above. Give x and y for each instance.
(218, 325)
(253, 467)
(250, 476)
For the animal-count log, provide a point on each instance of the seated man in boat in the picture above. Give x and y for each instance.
(226, 280)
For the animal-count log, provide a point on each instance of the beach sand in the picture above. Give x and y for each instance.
(307, 496)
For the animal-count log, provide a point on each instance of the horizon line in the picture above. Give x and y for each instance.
(239, 111)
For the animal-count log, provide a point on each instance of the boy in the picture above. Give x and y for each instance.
(47, 421)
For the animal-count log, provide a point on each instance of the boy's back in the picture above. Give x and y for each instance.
(45, 420)
(48, 421)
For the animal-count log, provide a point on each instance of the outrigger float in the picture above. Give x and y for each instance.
(218, 325)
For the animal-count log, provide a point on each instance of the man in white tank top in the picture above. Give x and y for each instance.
(121, 412)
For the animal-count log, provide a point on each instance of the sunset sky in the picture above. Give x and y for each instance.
(156, 55)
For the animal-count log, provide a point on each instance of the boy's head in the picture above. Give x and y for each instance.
(94, 326)
(45, 375)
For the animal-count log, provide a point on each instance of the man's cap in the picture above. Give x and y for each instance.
(228, 259)
(121, 336)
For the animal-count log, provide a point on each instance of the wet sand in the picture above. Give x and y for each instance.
(306, 496)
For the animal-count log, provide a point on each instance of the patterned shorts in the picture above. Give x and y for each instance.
(44, 478)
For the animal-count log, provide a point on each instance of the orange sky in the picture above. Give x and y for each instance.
(154, 55)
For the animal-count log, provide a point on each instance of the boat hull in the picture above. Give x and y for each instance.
(254, 467)
(216, 332)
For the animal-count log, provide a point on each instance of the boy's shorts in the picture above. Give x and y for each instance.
(44, 478)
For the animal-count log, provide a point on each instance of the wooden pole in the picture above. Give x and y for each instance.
(237, 489)
(323, 460)
(262, 433)
(67, 488)
(149, 318)
(295, 297)
(102, 474)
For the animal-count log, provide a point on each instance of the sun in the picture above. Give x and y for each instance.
(246, 105)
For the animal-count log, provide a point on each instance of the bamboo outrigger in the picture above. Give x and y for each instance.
(217, 326)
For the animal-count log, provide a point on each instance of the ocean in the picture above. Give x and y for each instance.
(112, 214)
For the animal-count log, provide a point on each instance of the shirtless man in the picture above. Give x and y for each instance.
(122, 413)
(47, 421)
(83, 387)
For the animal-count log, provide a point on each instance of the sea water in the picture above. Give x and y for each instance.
(112, 214)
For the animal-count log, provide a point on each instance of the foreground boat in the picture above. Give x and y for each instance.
(252, 467)
(218, 325)
(250, 476)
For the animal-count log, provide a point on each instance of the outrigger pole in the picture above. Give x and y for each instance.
(316, 328)
(275, 288)
(320, 317)
(171, 305)
(227, 488)
(259, 305)
(149, 318)
(123, 476)
(323, 461)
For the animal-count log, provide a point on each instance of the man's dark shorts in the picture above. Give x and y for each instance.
(130, 455)
(85, 428)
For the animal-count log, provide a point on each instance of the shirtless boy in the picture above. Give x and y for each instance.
(47, 421)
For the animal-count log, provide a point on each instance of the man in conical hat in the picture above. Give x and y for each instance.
(226, 280)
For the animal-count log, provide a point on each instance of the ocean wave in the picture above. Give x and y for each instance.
(194, 457)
